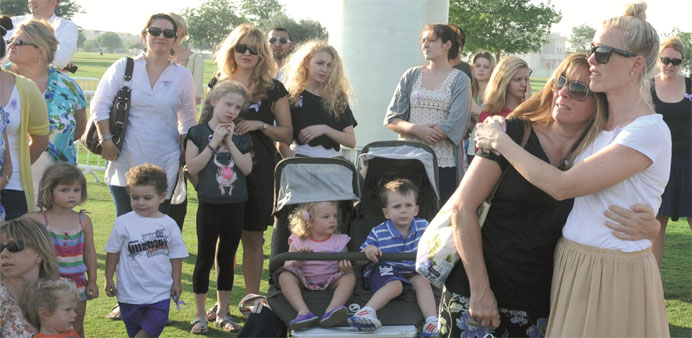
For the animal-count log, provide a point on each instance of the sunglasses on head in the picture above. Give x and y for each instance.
(282, 41)
(18, 42)
(12, 246)
(603, 53)
(167, 33)
(575, 89)
(241, 48)
(666, 60)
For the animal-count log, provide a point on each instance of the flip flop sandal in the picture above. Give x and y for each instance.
(201, 324)
(211, 313)
(250, 303)
(227, 324)
(115, 313)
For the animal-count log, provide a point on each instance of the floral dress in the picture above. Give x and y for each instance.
(4, 121)
(12, 321)
(64, 98)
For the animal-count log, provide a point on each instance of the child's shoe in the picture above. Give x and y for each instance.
(430, 328)
(334, 317)
(303, 321)
(365, 320)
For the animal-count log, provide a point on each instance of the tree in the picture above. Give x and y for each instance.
(300, 31)
(109, 41)
(581, 37)
(211, 22)
(91, 46)
(504, 26)
(80, 38)
(259, 11)
(66, 8)
(686, 38)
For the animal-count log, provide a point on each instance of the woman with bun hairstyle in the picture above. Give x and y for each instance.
(603, 283)
(27, 129)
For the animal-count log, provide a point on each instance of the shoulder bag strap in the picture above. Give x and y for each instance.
(121, 106)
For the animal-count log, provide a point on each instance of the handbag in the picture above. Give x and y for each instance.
(437, 254)
(118, 120)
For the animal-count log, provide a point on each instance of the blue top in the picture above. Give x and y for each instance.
(388, 239)
(63, 97)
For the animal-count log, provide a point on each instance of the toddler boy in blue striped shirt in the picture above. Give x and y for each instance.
(399, 233)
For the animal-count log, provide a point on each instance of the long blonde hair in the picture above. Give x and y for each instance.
(335, 91)
(495, 94)
(539, 108)
(474, 84)
(262, 78)
(220, 90)
(301, 216)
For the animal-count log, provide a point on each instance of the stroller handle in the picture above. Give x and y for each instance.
(279, 260)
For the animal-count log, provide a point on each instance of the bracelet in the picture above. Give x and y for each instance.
(105, 137)
(264, 126)
(213, 151)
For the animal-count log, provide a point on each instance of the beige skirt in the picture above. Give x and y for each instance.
(605, 293)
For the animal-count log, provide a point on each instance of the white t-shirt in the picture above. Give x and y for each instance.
(648, 135)
(12, 109)
(65, 31)
(146, 246)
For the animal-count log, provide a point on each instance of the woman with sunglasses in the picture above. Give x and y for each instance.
(64, 98)
(604, 284)
(431, 105)
(672, 97)
(22, 104)
(244, 56)
(162, 110)
(26, 254)
(500, 285)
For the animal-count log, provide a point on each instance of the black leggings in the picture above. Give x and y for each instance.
(225, 223)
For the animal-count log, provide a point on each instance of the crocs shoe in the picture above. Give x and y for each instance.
(430, 328)
(334, 317)
(303, 321)
(365, 320)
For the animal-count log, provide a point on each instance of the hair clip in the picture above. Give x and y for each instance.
(306, 215)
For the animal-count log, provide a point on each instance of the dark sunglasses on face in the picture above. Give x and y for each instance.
(167, 33)
(18, 42)
(282, 41)
(603, 53)
(666, 60)
(576, 90)
(12, 246)
(241, 48)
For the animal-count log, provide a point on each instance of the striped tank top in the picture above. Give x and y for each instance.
(69, 248)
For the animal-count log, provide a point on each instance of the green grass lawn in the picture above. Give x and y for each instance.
(676, 270)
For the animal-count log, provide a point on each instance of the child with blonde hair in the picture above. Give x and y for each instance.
(314, 228)
(62, 188)
(51, 306)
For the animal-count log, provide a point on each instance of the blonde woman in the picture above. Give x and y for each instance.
(244, 56)
(672, 97)
(506, 89)
(624, 165)
(319, 94)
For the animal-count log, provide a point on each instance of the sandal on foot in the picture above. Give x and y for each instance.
(227, 324)
(249, 304)
(211, 313)
(201, 325)
(115, 313)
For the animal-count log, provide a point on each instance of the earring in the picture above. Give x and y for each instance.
(632, 73)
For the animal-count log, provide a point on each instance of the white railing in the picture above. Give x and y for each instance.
(90, 164)
(88, 85)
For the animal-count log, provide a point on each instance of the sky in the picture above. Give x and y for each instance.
(129, 15)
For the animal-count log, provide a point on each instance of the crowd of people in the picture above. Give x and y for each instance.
(582, 190)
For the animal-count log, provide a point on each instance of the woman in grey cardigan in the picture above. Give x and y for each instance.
(431, 105)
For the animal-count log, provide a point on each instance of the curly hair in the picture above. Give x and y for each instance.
(45, 293)
(56, 174)
(335, 91)
(147, 174)
(299, 220)
(262, 78)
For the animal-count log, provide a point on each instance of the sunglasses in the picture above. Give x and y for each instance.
(241, 48)
(167, 33)
(12, 246)
(18, 42)
(603, 53)
(282, 41)
(666, 60)
(576, 90)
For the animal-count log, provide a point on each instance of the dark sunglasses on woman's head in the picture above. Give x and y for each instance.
(282, 41)
(167, 33)
(576, 90)
(603, 53)
(18, 42)
(666, 60)
(12, 246)
(241, 48)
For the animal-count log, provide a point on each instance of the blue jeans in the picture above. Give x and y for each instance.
(121, 200)
(14, 202)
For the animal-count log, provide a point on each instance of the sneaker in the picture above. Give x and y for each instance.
(364, 320)
(303, 321)
(334, 317)
(430, 328)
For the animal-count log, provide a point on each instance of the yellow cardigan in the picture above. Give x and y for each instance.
(34, 120)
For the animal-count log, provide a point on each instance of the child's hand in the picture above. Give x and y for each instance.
(305, 249)
(345, 265)
(176, 290)
(92, 291)
(372, 252)
(220, 132)
(111, 291)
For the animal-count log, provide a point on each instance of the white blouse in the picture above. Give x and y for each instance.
(158, 116)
